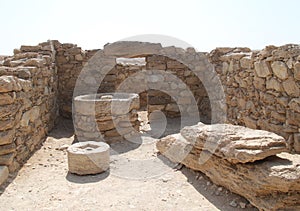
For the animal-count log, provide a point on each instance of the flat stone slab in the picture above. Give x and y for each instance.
(237, 144)
(269, 184)
(3, 174)
(88, 157)
(131, 48)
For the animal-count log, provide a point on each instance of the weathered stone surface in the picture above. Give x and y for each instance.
(291, 88)
(3, 174)
(250, 122)
(273, 84)
(88, 157)
(8, 148)
(297, 71)
(9, 83)
(35, 62)
(293, 118)
(131, 48)
(297, 142)
(237, 144)
(25, 84)
(259, 83)
(270, 184)
(294, 104)
(172, 107)
(30, 115)
(102, 114)
(116, 104)
(7, 98)
(106, 125)
(255, 95)
(246, 62)
(7, 137)
(23, 100)
(280, 70)
(28, 48)
(78, 57)
(262, 69)
(7, 159)
(6, 124)
(9, 110)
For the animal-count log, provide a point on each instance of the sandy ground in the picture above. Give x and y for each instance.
(139, 179)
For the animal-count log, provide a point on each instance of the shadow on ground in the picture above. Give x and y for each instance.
(87, 178)
(63, 129)
(217, 195)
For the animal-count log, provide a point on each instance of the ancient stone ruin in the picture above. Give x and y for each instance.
(249, 101)
(107, 117)
(88, 157)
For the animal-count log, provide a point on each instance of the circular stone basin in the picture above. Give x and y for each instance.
(107, 117)
(88, 157)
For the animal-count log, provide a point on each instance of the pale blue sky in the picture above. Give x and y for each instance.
(205, 24)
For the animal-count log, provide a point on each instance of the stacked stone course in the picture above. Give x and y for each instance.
(28, 107)
(108, 117)
(262, 88)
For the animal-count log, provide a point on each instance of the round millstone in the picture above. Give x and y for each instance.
(88, 157)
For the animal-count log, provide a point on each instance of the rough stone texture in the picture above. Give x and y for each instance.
(237, 144)
(154, 74)
(297, 71)
(121, 49)
(269, 184)
(262, 69)
(9, 83)
(255, 96)
(88, 158)
(3, 174)
(28, 107)
(106, 117)
(261, 88)
(280, 70)
(70, 61)
(291, 88)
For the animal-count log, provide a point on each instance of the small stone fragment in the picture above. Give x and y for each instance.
(3, 174)
(233, 203)
(242, 205)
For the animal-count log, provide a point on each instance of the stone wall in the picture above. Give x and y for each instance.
(28, 107)
(70, 60)
(164, 102)
(262, 88)
(94, 120)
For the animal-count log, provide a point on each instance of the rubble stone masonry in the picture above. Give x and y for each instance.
(262, 90)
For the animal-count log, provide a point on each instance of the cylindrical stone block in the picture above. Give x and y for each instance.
(88, 157)
(106, 117)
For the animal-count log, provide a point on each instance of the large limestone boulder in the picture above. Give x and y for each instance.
(269, 184)
(237, 144)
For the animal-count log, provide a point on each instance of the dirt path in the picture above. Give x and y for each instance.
(139, 179)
